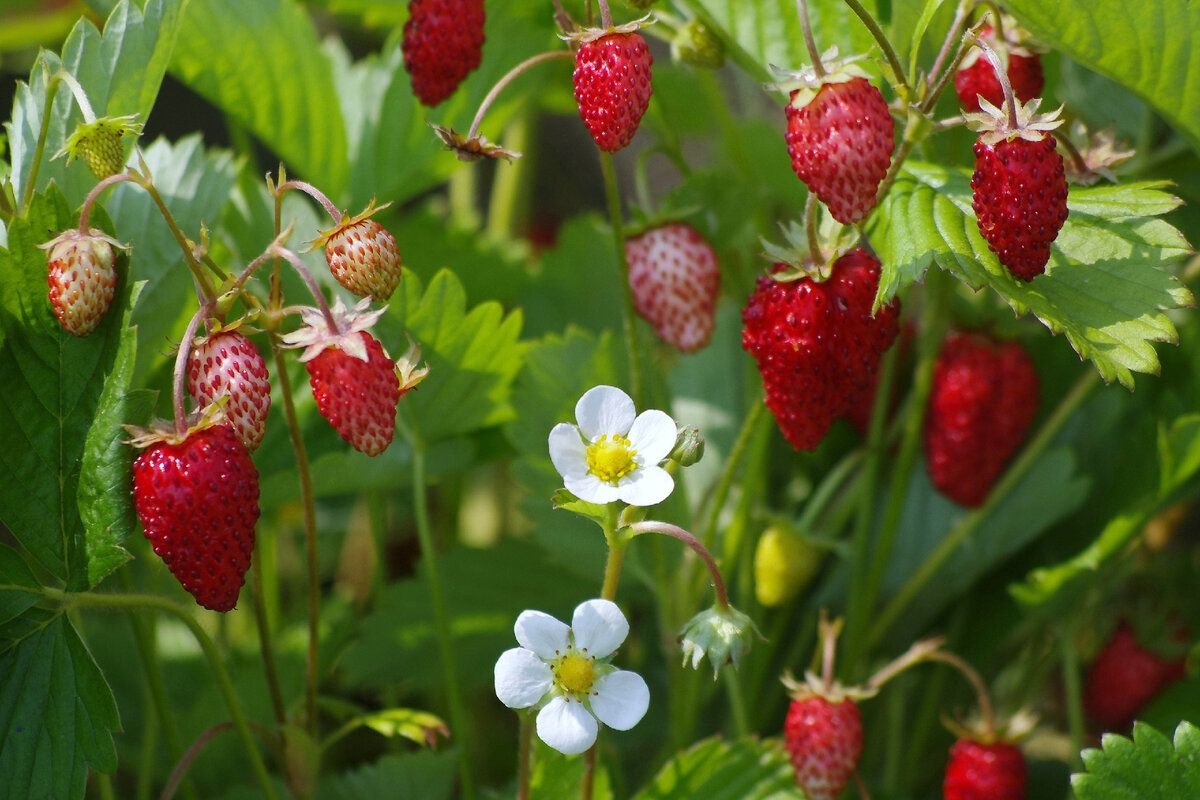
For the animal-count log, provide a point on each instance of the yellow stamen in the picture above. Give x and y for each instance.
(610, 458)
(575, 673)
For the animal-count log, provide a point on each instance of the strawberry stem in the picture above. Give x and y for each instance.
(828, 631)
(181, 365)
(85, 213)
(1010, 100)
(809, 42)
(309, 281)
(191, 754)
(613, 195)
(146, 181)
(676, 532)
(997, 18)
(885, 45)
(508, 78)
(39, 149)
(81, 98)
(524, 753)
(968, 40)
(1076, 157)
(334, 212)
(605, 15)
(961, 14)
(981, 692)
(1073, 691)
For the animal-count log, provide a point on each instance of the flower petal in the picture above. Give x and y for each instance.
(599, 627)
(521, 678)
(542, 634)
(620, 699)
(567, 726)
(604, 409)
(653, 436)
(645, 486)
(567, 450)
(590, 488)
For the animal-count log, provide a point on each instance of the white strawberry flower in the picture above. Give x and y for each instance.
(315, 335)
(565, 672)
(614, 453)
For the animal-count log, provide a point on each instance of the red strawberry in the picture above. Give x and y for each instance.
(612, 85)
(362, 255)
(228, 364)
(976, 76)
(840, 142)
(443, 43)
(197, 499)
(674, 278)
(82, 278)
(983, 399)
(979, 771)
(1124, 678)
(817, 345)
(355, 383)
(824, 739)
(1020, 188)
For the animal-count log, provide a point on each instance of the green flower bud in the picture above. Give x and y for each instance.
(722, 634)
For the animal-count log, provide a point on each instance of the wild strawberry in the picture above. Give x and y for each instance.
(983, 399)
(816, 344)
(824, 739)
(1124, 678)
(196, 495)
(82, 278)
(227, 364)
(979, 771)
(1020, 188)
(839, 137)
(612, 84)
(354, 381)
(674, 278)
(784, 563)
(100, 144)
(976, 77)
(362, 255)
(443, 43)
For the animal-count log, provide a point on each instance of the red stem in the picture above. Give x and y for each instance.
(309, 281)
(1010, 100)
(315, 194)
(85, 213)
(181, 364)
(676, 532)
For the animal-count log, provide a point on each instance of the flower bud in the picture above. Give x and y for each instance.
(723, 634)
(689, 446)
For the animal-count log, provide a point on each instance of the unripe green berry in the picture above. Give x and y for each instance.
(695, 44)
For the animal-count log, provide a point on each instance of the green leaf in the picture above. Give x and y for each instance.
(565, 501)
(473, 355)
(15, 572)
(262, 65)
(427, 775)
(196, 185)
(416, 726)
(557, 776)
(1146, 46)
(52, 396)
(1145, 766)
(56, 716)
(120, 71)
(747, 769)
(1106, 285)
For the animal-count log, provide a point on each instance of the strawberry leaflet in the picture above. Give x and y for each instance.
(1107, 283)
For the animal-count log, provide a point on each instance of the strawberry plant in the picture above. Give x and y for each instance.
(651, 399)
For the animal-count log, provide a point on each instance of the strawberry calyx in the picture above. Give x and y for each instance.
(346, 221)
(86, 238)
(316, 337)
(794, 259)
(802, 85)
(586, 35)
(996, 125)
(165, 431)
(1013, 41)
(471, 148)
(1009, 731)
(409, 370)
(1096, 158)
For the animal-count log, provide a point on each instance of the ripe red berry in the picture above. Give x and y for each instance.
(197, 499)
(817, 345)
(443, 43)
(612, 86)
(983, 400)
(228, 364)
(674, 279)
(357, 396)
(976, 76)
(824, 739)
(979, 771)
(1124, 678)
(364, 258)
(840, 143)
(1020, 201)
(82, 278)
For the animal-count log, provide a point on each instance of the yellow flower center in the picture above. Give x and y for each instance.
(610, 458)
(575, 673)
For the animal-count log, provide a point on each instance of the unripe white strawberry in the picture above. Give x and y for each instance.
(227, 364)
(362, 255)
(675, 280)
(82, 278)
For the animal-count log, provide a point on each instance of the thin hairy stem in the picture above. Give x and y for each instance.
(676, 532)
(310, 282)
(193, 752)
(181, 366)
(809, 42)
(334, 212)
(633, 352)
(85, 212)
(508, 78)
(885, 45)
